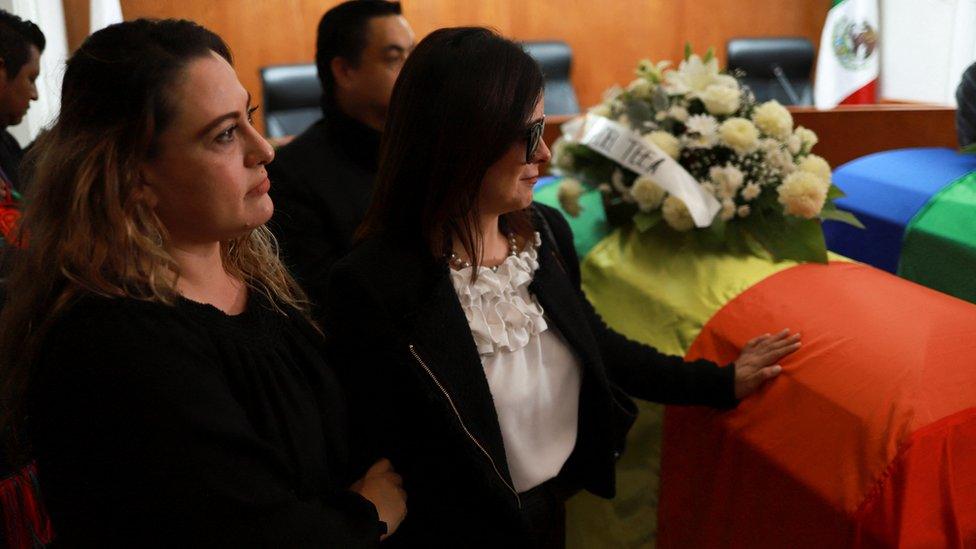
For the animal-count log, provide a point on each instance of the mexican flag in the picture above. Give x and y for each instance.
(847, 67)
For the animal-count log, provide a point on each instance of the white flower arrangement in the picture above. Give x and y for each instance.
(772, 190)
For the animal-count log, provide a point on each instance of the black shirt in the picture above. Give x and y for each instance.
(10, 157)
(158, 425)
(321, 185)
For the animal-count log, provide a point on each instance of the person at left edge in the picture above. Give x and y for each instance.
(21, 45)
(155, 356)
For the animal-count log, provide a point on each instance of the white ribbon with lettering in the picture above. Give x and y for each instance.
(627, 148)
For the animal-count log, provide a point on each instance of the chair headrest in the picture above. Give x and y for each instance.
(291, 86)
(757, 56)
(554, 57)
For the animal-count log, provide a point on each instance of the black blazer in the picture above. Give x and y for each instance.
(419, 395)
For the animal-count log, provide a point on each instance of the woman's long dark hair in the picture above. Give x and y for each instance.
(463, 98)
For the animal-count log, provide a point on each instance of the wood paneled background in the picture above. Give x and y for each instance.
(608, 37)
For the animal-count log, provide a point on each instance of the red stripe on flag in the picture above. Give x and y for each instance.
(866, 95)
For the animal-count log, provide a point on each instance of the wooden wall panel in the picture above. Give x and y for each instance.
(608, 38)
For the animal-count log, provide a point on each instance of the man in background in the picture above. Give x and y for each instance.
(21, 44)
(322, 181)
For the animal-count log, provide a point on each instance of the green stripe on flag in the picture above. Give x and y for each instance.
(939, 248)
(835, 3)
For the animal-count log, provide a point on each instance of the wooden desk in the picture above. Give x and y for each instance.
(850, 132)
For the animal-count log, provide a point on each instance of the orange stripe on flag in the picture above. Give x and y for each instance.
(848, 422)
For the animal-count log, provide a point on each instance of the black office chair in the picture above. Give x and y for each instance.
(292, 97)
(555, 59)
(775, 68)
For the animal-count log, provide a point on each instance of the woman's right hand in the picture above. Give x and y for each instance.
(384, 489)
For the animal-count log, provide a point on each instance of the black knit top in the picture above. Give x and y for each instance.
(183, 426)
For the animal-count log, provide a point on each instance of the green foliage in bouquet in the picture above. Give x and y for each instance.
(774, 192)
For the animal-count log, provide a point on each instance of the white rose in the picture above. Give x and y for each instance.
(728, 210)
(751, 191)
(816, 165)
(744, 210)
(647, 194)
(679, 113)
(720, 100)
(773, 119)
(739, 134)
(807, 138)
(666, 142)
(802, 194)
(726, 81)
(569, 194)
(727, 180)
(676, 214)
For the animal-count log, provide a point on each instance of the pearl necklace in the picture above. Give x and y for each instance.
(456, 262)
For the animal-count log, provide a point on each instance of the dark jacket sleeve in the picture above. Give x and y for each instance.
(641, 370)
(359, 336)
(138, 437)
(308, 244)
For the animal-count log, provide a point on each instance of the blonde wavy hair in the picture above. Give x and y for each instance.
(86, 229)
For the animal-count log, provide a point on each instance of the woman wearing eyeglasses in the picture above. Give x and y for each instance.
(472, 357)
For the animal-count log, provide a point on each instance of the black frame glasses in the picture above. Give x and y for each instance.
(533, 136)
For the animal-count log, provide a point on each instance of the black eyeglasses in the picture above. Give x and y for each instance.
(533, 136)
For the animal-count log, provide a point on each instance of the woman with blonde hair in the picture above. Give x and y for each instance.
(156, 355)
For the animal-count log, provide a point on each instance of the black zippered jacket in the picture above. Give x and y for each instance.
(418, 394)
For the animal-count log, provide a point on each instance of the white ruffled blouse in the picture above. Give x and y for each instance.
(533, 375)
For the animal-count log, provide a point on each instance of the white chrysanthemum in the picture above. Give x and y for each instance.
(692, 77)
(676, 214)
(802, 194)
(816, 165)
(679, 113)
(561, 159)
(781, 160)
(807, 138)
(773, 119)
(739, 134)
(794, 144)
(751, 191)
(728, 210)
(602, 109)
(640, 87)
(666, 142)
(647, 194)
(744, 210)
(701, 131)
(720, 100)
(769, 145)
(727, 180)
(569, 193)
(709, 188)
